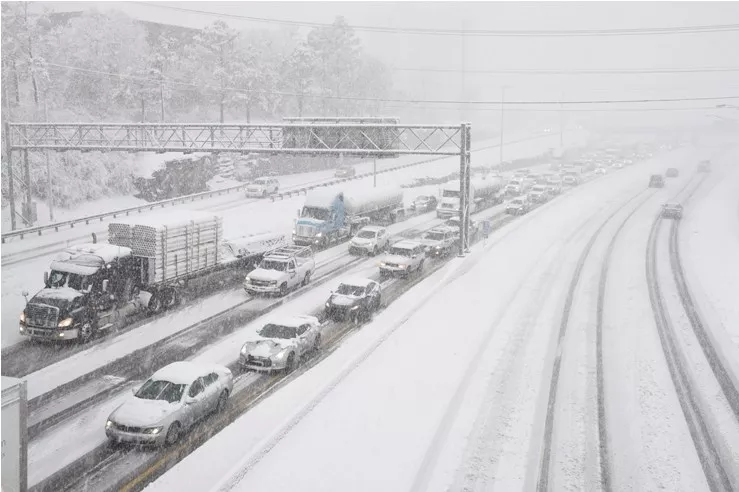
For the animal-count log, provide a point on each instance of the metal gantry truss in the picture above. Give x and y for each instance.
(314, 139)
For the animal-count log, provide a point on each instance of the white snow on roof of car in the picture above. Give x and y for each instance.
(293, 321)
(406, 244)
(357, 282)
(185, 372)
(371, 228)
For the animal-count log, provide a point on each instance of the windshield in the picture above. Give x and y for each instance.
(538, 188)
(161, 390)
(315, 213)
(277, 331)
(401, 252)
(366, 234)
(350, 290)
(260, 181)
(435, 236)
(518, 201)
(450, 194)
(280, 266)
(71, 280)
(514, 183)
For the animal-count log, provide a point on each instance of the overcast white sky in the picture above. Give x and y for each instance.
(486, 53)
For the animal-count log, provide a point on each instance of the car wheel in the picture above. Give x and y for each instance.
(325, 242)
(85, 332)
(317, 343)
(173, 433)
(420, 266)
(290, 364)
(306, 279)
(283, 289)
(375, 251)
(264, 194)
(222, 400)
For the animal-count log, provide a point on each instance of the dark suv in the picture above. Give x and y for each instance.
(355, 299)
(656, 181)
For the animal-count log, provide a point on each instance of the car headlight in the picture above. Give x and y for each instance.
(243, 350)
(153, 430)
(65, 323)
(319, 234)
(109, 424)
(273, 282)
(281, 355)
(23, 317)
(382, 264)
(328, 304)
(354, 308)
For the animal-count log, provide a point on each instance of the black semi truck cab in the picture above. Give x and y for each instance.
(86, 285)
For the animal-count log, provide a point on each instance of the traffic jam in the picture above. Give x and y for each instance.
(386, 239)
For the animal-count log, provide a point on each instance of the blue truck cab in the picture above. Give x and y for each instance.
(322, 220)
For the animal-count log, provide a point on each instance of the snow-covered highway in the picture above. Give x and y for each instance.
(458, 375)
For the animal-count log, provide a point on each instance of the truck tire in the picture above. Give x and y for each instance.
(306, 279)
(283, 289)
(170, 298)
(155, 303)
(85, 332)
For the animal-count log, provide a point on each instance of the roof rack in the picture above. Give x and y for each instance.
(287, 252)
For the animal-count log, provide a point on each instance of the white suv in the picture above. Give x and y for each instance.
(370, 240)
(261, 187)
(403, 258)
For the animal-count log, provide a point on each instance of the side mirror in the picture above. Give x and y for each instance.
(46, 279)
(24, 293)
(105, 285)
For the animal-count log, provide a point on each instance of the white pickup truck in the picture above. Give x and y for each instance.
(281, 270)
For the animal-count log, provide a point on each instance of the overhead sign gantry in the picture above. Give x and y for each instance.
(359, 137)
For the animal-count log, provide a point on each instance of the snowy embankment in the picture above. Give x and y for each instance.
(393, 406)
(240, 217)
(709, 243)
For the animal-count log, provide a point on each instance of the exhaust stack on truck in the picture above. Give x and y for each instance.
(330, 216)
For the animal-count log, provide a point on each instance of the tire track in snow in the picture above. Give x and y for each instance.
(546, 456)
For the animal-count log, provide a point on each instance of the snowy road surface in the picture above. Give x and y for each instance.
(448, 388)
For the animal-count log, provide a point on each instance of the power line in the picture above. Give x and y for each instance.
(575, 71)
(551, 110)
(408, 101)
(645, 31)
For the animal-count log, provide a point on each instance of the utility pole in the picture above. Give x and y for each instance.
(502, 116)
(49, 194)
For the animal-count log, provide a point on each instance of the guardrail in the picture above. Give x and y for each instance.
(55, 227)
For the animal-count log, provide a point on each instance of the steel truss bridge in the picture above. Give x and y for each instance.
(368, 140)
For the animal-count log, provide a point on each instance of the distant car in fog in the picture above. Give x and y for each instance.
(570, 180)
(345, 172)
(704, 166)
(262, 187)
(424, 203)
(672, 172)
(600, 170)
(518, 206)
(656, 181)
(672, 211)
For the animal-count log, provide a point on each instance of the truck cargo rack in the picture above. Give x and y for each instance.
(287, 252)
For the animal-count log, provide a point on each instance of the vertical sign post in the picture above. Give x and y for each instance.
(464, 188)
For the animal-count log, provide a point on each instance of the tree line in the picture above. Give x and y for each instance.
(93, 66)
